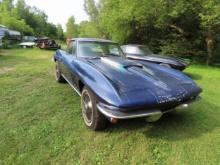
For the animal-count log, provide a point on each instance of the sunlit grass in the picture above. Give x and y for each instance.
(41, 123)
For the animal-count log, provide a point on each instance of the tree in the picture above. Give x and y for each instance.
(51, 30)
(34, 17)
(26, 19)
(126, 20)
(13, 23)
(92, 28)
(210, 23)
(88, 29)
(168, 26)
(9, 18)
(6, 5)
(71, 28)
(60, 34)
(91, 9)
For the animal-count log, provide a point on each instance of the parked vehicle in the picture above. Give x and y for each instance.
(141, 52)
(27, 44)
(29, 38)
(113, 87)
(46, 43)
(9, 37)
(10, 34)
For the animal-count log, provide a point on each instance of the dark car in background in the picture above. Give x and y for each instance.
(46, 43)
(143, 53)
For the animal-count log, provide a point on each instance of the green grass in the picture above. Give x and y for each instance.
(41, 123)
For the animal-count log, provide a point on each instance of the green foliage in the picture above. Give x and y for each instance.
(168, 26)
(91, 28)
(176, 27)
(91, 9)
(210, 16)
(88, 29)
(71, 28)
(28, 20)
(13, 23)
(9, 18)
(60, 33)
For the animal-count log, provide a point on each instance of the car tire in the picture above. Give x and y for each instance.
(58, 76)
(165, 65)
(92, 117)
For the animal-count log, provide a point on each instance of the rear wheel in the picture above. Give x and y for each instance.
(93, 118)
(59, 78)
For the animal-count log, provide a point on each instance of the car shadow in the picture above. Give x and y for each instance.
(179, 125)
(194, 76)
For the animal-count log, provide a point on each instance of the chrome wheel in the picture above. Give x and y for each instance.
(87, 108)
(92, 117)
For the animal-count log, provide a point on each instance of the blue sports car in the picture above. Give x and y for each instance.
(113, 87)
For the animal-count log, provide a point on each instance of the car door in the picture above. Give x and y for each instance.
(63, 61)
(68, 63)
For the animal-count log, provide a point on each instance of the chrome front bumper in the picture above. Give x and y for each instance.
(114, 113)
(126, 115)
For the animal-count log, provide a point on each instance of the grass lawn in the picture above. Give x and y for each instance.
(41, 123)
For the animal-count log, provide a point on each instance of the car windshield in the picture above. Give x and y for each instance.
(98, 49)
(138, 50)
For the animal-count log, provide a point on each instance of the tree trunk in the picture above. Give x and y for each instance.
(210, 46)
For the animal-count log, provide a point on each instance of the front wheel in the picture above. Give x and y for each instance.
(92, 117)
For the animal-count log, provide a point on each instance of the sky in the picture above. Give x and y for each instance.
(58, 11)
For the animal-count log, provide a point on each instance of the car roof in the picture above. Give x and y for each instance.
(92, 39)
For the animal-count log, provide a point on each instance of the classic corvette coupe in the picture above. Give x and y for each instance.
(113, 87)
(141, 52)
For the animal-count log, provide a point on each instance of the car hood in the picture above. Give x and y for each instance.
(145, 83)
(159, 59)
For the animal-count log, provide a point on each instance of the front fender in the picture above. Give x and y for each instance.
(58, 55)
(97, 82)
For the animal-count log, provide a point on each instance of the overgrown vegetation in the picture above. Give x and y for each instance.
(185, 28)
(28, 20)
(41, 122)
(174, 27)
